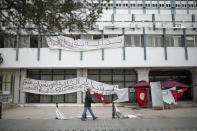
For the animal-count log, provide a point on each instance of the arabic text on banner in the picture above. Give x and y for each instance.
(66, 86)
(67, 43)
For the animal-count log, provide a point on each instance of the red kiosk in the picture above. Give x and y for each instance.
(178, 92)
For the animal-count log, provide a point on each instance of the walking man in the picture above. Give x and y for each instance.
(87, 105)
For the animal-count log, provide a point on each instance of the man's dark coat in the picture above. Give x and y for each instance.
(88, 99)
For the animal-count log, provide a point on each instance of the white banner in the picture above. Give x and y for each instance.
(168, 97)
(156, 94)
(122, 94)
(66, 86)
(67, 43)
(59, 115)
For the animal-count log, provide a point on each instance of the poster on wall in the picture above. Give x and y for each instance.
(66, 86)
(67, 43)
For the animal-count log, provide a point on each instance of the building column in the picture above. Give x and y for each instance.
(16, 86)
(194, 79)
(81, 95)
(22, 94)
(85, 74)
(143, 74)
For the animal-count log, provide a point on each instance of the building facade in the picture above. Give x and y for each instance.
(160, 43)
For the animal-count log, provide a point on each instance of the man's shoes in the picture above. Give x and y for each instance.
(95, 118)
(83, 119)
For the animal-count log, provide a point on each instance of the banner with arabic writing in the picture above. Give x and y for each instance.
(66, 86)
(67, 43)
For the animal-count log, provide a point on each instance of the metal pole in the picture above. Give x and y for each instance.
(123, 33)
(113, 109)
(39, 45)
(0, 110)
(144, 40)
(17, 44)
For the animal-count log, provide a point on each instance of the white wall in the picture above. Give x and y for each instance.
(112, 58)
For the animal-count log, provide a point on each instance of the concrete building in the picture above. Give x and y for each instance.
(160, 43)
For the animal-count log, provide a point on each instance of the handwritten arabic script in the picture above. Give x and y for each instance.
(67, 43)
(66, 86)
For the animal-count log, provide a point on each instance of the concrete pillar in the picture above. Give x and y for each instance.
(194, 79)
(22, 94)
(143, 74)
(85, 74)
(79, 94)
(16, 86)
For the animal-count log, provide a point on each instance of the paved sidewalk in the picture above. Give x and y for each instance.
(161, 124)
(103, 112)
(38, 118)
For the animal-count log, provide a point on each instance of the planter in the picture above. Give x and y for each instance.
(166, 107)
(158, 108)
(171, 106)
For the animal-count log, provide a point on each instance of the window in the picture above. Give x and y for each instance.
(127, 40)
(10, 42)
(7, 82)
(154, 5)
(184, 5)
(110, 36)
(132, 5)
(76, 37)
(158, 41)
(161, 5)
(195, 41)
(139, 5)
(167, 5)
(87, 37)
(149, 41)
(190, 41)
(33, 41)
(132, 40)
(51, 75)
(169, 41)
(177, 41)
(154, 41)
(105, 36)
(136, 40)
(24, 41)
(178, 5)
(1, 42)
(147, 5)
(174, 41)
(121, 77)
(44, 42)
(96, 37)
